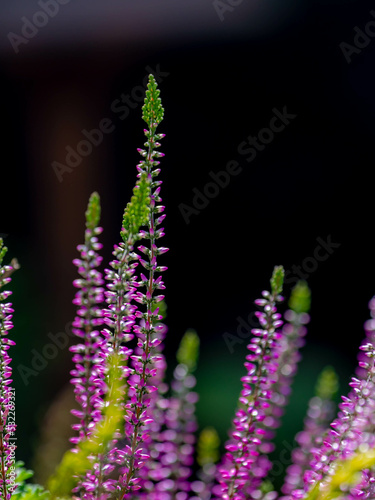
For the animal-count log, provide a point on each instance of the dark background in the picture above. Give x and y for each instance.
(314, 180)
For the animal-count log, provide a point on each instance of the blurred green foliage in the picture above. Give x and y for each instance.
(300, 298)
(327, 385)
(188, 350)
(208, 447)
(74, 464)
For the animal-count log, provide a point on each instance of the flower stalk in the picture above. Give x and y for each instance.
(261, 365)
(345, 436)
(319, 415)
(138, 416)
(88, 374)
(174, 450)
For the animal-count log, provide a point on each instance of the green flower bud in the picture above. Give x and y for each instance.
(277, 280)
(152, 109)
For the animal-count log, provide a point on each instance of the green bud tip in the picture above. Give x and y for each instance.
(327, 384)
(188, 350)
(300, 298)
(152, 110)
(277, 280)
(93, 211)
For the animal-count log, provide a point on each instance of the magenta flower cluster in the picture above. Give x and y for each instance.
(88, 374)
(150, 452)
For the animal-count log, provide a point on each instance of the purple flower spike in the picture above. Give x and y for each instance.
(7, 427)
(288, 352)
(235, 474)
(366, 488)
(142, 381)
(119, 317)
(173, 451)
(88, 374)
(349, 430)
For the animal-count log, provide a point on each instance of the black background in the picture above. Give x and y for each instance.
(314, 180)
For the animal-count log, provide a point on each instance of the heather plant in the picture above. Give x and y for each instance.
(136, 432)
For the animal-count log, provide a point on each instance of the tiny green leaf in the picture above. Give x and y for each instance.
(27, 491)
(300, 299)
(152, 109)
(93, 211)
(22, 474)
(188, 350)
(277, 280)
